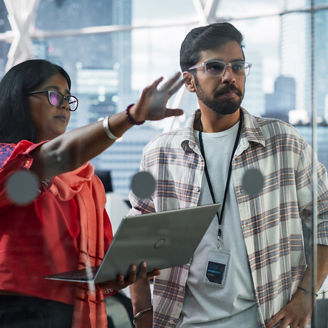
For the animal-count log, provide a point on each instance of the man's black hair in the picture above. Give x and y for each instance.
(206, 38)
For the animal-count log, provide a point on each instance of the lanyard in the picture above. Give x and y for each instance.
(220, 216)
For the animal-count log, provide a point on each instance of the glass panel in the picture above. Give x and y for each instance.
(4, 48)
(108, 72)
(4, 23)
(162, 12)
(4, 45)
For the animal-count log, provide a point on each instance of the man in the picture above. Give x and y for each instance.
(250, 268)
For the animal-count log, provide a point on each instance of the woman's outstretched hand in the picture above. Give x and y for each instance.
(153, 101)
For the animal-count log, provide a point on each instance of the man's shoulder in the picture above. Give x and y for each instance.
(171, 139)
(271, 127)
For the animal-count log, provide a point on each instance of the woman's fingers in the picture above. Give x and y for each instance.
(176, 87)
(168, 84)
(155, 84)
(173, 112)
(152, 102)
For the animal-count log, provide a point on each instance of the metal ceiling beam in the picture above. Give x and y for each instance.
(21, 15)
(206, 10)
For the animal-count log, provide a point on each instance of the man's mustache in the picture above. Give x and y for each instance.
(228, 88)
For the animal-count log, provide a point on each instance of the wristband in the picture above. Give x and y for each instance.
(107, 130)
(140, 313)
(129, 118)
(108, 291)
(306, 290)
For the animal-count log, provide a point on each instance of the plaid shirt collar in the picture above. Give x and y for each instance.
(251, 131)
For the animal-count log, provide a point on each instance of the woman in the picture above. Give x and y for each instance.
(66, 227)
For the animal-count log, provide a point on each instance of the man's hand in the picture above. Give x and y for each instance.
(120, 282)
(295, 314)
(141, 297)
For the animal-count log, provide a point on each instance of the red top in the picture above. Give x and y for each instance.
(65, 228)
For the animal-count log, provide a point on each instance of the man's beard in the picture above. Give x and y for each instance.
(223, 107)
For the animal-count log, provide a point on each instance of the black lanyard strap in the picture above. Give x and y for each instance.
(220, 216)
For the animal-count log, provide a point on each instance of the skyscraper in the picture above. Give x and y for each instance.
(106, 51)
(4, 26)
(292, 48)
(320, 57)
(283, 99)
(254, 95)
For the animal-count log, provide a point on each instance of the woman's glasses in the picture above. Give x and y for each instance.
(56, 99)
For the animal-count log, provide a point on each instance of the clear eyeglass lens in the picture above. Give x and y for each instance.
(54, 98)
(214, 67)
(238, 67)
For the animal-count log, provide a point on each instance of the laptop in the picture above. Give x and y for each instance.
(162, 239)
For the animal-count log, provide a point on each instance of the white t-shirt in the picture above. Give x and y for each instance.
(207, 305)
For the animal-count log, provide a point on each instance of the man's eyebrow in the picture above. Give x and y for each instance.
(230, 61)
(237, 60)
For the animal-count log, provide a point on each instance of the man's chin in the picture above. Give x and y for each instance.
(226, 108)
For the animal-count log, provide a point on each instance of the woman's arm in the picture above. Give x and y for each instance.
(71, 150)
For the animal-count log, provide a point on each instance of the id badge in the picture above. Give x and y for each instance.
(217, 267)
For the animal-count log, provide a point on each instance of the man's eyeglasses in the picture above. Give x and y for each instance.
(217, 67)
(56, 99)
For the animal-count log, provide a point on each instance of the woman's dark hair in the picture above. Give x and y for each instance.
(15, 120)
(205, 38)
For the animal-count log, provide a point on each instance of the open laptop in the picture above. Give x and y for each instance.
(162, 239)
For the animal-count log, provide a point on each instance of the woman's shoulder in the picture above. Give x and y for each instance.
(6, 150)
(10, 151)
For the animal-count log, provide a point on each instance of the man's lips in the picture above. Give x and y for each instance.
(228, 92)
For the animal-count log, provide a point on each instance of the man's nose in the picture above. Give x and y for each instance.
(228, 75)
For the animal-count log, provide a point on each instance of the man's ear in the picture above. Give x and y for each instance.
(189, 81)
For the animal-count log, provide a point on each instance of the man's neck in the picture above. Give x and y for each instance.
(210, 122)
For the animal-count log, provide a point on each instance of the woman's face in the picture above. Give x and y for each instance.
(50, 121)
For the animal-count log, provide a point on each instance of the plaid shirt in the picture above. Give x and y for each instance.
(271, 221)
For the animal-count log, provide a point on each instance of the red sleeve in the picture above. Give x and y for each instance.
(20, 158)
(108, 232)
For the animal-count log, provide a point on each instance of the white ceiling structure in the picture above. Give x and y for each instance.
(22, 13)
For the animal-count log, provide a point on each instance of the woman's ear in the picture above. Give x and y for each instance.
(189, 81)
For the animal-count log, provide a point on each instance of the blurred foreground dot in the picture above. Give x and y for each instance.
(253, 182)
(143, 184)
(22, 187)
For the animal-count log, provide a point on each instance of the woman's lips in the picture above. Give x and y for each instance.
(62, 118)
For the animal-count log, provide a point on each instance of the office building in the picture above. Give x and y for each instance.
(321, 56)
(282, 100)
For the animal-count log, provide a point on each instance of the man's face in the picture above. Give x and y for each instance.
(224, 93)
